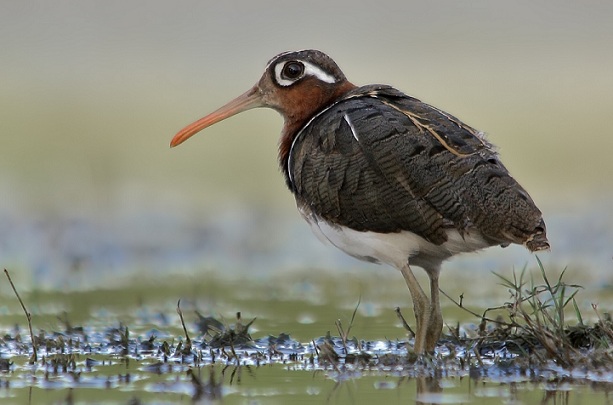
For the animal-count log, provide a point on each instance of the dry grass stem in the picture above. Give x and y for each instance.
(34, 357)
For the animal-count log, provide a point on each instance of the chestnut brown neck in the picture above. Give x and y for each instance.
(300, 105)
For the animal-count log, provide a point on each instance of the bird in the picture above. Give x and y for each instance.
(385, 177)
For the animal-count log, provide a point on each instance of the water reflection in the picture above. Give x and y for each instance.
(460, 390)
(430, 391)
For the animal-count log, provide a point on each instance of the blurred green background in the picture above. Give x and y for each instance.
(91, 92)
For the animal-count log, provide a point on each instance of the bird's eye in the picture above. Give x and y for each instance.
(292, 70)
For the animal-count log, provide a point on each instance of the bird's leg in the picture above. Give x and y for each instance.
(435, 323)
(421, 307)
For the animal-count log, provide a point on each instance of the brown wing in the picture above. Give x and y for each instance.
(382, 161)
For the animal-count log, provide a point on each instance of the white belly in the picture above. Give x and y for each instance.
(395, 248)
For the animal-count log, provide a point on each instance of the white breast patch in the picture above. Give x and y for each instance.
(395, 248)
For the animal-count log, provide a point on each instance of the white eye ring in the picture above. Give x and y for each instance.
(309, 70)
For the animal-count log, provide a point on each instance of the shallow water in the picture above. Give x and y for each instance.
(296, 314)
(282, 384)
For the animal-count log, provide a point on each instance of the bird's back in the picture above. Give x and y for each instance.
(378, 160)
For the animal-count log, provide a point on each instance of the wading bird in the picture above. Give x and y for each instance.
(385, 177)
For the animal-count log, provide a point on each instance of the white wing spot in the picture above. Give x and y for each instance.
(353, 131)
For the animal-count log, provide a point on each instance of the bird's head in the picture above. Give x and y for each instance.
(297, 84)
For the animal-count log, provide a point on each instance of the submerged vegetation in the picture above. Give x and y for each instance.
(539, 334)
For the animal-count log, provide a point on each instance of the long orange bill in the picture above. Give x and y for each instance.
(248, 100)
